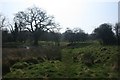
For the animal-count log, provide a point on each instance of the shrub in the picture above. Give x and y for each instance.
(30, 60)
(5, 68)
(88, 59)
(13, 61)
(103, 49)
(53, 53)
(20, 65)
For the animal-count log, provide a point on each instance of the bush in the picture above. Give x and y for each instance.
(88, 59)
(31, 60)
(52, 53)
(20, 65)
(13, 61)
(5, 68)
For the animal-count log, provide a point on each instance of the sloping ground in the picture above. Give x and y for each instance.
(93, 60)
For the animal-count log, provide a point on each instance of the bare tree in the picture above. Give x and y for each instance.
(5, 24)
(36, 21)
(2, 21)
(78, 30)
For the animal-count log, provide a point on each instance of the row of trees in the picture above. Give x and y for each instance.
(34, 24)
(31, 22)
(106, 35)
(75, 35)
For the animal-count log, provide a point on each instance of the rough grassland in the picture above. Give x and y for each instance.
(89, 61)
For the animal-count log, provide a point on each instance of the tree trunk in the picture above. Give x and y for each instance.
(36, 37)
(36, 41)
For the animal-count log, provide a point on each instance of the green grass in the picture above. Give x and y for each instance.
(72, 64)
(45, 69)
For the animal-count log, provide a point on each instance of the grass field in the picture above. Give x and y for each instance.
(81, 60)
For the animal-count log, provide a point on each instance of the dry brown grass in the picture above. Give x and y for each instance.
(33, 55)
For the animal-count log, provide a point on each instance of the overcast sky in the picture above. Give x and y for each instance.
(85, 14)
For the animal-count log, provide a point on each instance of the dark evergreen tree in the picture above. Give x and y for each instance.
(105, 34)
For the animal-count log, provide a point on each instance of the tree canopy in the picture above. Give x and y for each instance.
(105, 34)
(36, 21)
(75, 35)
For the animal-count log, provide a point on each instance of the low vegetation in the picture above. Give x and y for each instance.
(78, 62)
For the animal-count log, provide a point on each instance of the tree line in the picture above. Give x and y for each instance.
(35, 25)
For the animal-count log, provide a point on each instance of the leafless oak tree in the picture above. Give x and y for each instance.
(36, 21)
